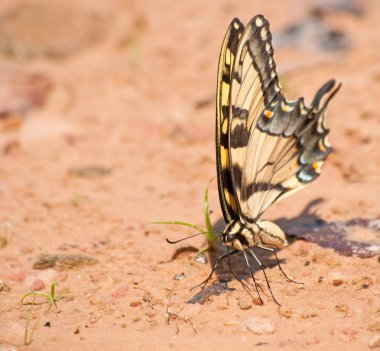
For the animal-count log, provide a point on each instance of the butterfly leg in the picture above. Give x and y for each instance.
(279, 264)
(253, 277)
(265, 275)
(232, 272)
(204, 283)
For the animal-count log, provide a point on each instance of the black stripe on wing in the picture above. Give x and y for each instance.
(226, 60)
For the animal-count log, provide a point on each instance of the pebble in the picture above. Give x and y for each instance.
(286, 313)
(337, 282)
(38, 285)
(179, 276)
(97, 301)
(363, 283)
(121, 291)
(244, 303)
(202, 258)
(374, 342)
(231, 323)
(341, 308)
(135, 303)
(222, 306)
(337, 278)
(309, 315)
(258, 325)
(374, 326)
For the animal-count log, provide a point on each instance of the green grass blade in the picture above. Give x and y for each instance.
(179, 223)
(210, 235)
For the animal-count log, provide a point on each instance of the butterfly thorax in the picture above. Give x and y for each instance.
(243, 235)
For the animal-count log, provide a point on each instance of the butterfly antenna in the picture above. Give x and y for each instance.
(265, 275)
(191, 236)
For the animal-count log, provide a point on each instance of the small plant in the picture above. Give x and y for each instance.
(209, 233)
(52, 299)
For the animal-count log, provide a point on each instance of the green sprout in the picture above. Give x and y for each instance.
(209, 232)
(52, 299)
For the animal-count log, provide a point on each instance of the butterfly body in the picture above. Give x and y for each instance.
(243, 235)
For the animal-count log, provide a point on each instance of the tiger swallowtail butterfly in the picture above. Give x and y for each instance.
(267, 147)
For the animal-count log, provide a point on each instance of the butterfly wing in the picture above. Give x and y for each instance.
(254, 85)
(275, 146)
(226, 60)
(286, 151)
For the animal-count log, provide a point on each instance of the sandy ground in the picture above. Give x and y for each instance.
(107, 123)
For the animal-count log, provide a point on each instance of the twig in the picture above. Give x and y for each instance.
(176, 315)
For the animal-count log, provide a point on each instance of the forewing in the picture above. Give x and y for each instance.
(227, 56)
(254, 85)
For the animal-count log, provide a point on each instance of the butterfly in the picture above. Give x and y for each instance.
(267, 147)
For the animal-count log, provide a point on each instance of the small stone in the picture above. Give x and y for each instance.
(76, 331)
(121, 291)
(341, 308)
(231, 323)
(179, 276)
(374, 342)
(47, 324)
(258, 325)
(363, 283)
(286, 313)
(337, 278)
(135, 303)
(337, 282)
(309, 315)
(374, 326)
(201, 258)
(222, 306)
(38, 285)
(258, 301)
(97, 301)
(244, 303)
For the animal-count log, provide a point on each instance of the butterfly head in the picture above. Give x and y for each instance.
(243, 235)
(239, 235)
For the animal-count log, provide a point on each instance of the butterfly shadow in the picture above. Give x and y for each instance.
(310, 227)
(305, 226)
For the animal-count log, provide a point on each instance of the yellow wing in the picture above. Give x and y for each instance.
(226, 60)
